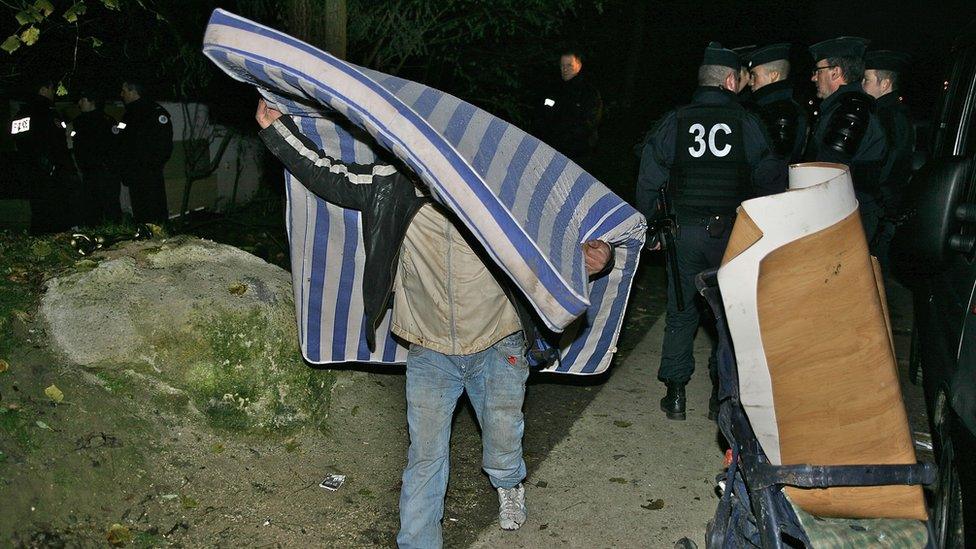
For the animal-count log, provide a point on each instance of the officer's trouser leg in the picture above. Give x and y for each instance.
(677, 360)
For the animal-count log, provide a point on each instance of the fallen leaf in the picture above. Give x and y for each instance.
(623, 424)
(43, 425)
(217, 448)
(54, 394)
(118, 535)
(238, 288)
(618, 480)
(11, 44)
(188, 503)
(4, 365)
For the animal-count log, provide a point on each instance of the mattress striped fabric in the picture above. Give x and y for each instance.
(528, 205)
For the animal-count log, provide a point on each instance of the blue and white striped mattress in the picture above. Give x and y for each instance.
(529, 206)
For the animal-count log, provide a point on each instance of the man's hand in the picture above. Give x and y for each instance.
(597, 254)
(266, 115)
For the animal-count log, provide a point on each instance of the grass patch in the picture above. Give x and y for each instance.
(16, 426)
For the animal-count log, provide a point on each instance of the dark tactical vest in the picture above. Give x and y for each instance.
(710, 174)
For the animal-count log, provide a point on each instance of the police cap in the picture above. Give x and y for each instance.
(715, 54)
(842, 46)
(744, 53)
(886, 60)
(770, 53)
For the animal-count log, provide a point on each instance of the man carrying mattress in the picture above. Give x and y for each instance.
(466, 326)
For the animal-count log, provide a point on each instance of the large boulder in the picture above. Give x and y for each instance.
(198, 318)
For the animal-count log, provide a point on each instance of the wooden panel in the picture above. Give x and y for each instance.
(835, 383)
(745, 233)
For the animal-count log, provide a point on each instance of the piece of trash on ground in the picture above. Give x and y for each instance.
(54, 393)
(332, 482)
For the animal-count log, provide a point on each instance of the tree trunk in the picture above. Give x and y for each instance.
(335, 27)
(321, 23)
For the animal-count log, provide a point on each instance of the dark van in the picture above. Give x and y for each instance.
(934, 255)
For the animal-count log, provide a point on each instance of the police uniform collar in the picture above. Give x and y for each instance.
(843, 90)
(888, 100)
(777, 91)
(138, 104)
(712, 95)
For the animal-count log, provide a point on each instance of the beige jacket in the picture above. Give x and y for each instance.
(445, 299)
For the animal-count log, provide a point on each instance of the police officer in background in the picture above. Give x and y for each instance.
(97, 159)
(571, 112)
(712, 154)
(145, 144)
(772, 96)
(744, 90)
(41, 139)
(883, 70)
(847, 130)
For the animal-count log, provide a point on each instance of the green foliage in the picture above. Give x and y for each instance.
(25, 262)
(16, 426)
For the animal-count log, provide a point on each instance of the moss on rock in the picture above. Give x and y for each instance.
(213, 325)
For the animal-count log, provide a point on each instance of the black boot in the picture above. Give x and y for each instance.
(673, 403)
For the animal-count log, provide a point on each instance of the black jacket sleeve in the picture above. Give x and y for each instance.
(345, 185)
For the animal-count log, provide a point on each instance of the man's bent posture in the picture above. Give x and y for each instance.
(466, 327)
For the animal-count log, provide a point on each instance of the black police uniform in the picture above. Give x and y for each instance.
(713, 154)
(900, 142)
(569, 117)
(847, 131)
(95, 148)
(896, 169)
(50, 172)
(785, 120)
(145, 144)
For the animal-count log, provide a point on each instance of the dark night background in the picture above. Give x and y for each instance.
(642, 55)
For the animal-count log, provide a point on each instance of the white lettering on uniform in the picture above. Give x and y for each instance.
(699, 132)
(711, 140)
(700, 146)
(549, 102)
(20, 125)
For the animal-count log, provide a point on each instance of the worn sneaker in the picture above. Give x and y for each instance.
(511, 507)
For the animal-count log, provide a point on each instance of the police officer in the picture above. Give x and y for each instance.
(571, 112)
(744, 90)
(883, 70)
(712, 154)
(41, 139)
(145, 144)
(847, 130)
(772, 96)
(97, 158)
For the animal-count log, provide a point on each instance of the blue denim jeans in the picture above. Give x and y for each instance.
(495, 382)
